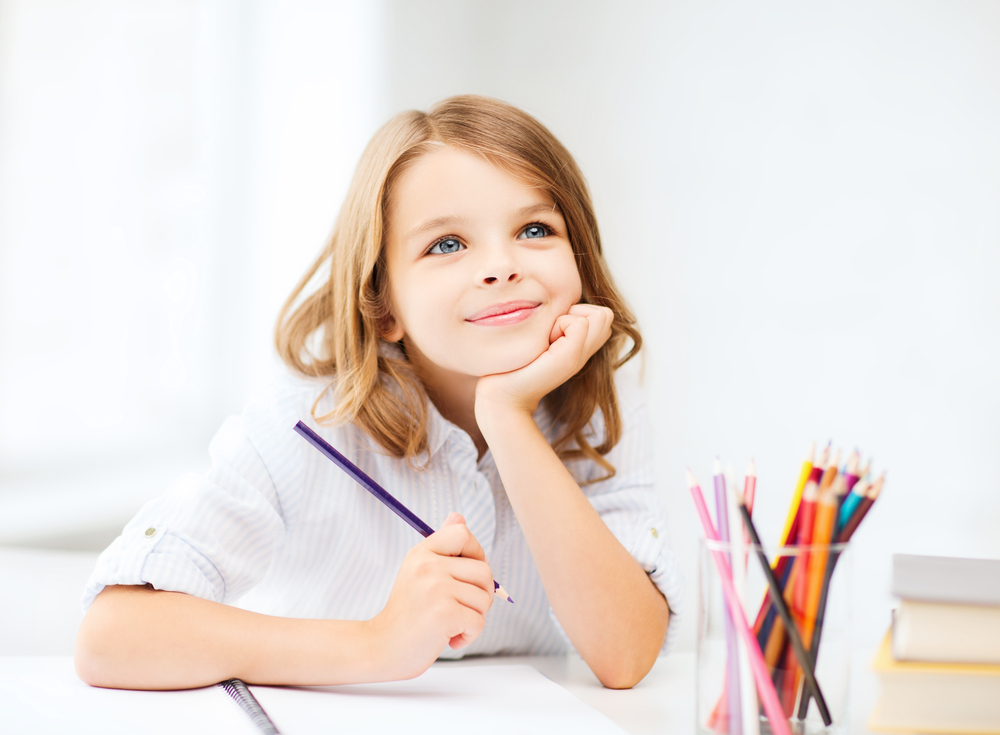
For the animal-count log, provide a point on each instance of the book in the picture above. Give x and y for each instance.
(935, 697)
(946, 579)
(945, 633)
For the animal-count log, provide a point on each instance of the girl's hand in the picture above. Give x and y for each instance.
(440, 597)
(575, 337)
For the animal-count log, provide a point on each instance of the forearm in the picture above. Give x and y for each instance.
(611, 611)
(139, 638)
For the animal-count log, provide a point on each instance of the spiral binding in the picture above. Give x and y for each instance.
(245, 699)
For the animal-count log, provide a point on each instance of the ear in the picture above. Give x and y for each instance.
(390, 329)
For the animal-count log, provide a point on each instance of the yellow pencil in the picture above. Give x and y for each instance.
(797, 496)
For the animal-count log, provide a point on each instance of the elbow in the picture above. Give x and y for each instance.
(99, 650)
(93, 657)
(631, 663)
(625, 674)
(88, 659)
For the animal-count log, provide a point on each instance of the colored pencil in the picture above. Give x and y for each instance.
(800, 484)
(750, 486)
(765, 687)
(776, 596)
(375, 489)
(851, 502)
(815, 475)
(732, 657)
(843, 536)
(749, 707)
(871, 496)
(851, 473)
(807, 518)
(826, 514)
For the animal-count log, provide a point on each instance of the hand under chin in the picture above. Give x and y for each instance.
(514, 359)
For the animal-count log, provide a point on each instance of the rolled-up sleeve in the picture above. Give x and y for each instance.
(631, 506)
(212, 535)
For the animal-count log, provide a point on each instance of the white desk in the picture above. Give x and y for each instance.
(43, 695)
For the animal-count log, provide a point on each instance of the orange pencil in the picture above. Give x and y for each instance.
(826, 516)
(830, 472)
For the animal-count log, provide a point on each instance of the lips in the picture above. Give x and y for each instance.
(510, 312)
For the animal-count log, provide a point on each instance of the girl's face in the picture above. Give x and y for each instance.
(479, 264)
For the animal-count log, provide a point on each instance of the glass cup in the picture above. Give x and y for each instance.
(804, 572)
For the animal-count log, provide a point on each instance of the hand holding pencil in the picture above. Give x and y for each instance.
(440, 598)
(442, 592)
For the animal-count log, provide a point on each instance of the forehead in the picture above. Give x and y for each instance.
(449, 181)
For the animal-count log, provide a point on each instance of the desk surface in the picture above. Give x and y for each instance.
(43, 695)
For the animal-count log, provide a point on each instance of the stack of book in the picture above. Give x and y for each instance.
(939, 666)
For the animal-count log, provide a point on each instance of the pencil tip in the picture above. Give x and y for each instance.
(691, 481)
(717, 467)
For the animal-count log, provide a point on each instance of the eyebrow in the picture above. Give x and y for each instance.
(453, 220)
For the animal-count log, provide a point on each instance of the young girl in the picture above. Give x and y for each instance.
(458, 340)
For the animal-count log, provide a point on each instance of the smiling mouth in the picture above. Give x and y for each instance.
(503, 314)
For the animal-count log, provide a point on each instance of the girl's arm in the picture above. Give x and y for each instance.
(141, 638)
(611, 611)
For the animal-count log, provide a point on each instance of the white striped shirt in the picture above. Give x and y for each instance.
(276, 527)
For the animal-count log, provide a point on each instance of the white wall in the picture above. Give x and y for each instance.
(799, 200)
(167, 171)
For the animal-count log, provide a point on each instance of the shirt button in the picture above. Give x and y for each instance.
(150, 532)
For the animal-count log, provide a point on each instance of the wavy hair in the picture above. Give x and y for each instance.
(331, 323)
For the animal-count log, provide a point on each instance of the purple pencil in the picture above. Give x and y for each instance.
(732, 662)
(375, 489)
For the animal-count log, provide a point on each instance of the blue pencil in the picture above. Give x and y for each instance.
(375, 489)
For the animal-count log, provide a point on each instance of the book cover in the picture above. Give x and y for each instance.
(946, 579)
(946, 633)
(935, 697)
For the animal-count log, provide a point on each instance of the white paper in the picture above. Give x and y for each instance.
(469, 699)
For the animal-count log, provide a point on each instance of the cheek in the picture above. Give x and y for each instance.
(570, 288)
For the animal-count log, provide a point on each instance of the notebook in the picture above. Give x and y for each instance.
(43, 695)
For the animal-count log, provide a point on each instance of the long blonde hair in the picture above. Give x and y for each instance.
(336, 329)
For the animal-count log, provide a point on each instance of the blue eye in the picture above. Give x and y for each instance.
(535, 231)
(446, 246)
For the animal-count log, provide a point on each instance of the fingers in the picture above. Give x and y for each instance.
(468, 625)
(600, 319)
(585, 328)
(455, 539)
(476, 580)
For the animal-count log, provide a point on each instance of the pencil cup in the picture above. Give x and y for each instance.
(817, 592)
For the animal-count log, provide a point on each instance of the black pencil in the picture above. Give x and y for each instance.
(793, 632)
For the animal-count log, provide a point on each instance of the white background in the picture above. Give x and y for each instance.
(800, 202)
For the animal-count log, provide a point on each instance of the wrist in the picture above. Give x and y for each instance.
(498, 419)
(498, 404)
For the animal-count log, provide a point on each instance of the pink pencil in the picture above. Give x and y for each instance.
(772, 707)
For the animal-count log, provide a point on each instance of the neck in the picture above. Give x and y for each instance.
(453, 394)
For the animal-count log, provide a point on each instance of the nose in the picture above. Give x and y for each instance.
(501, 267)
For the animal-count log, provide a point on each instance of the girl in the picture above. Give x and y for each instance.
(458, 339)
